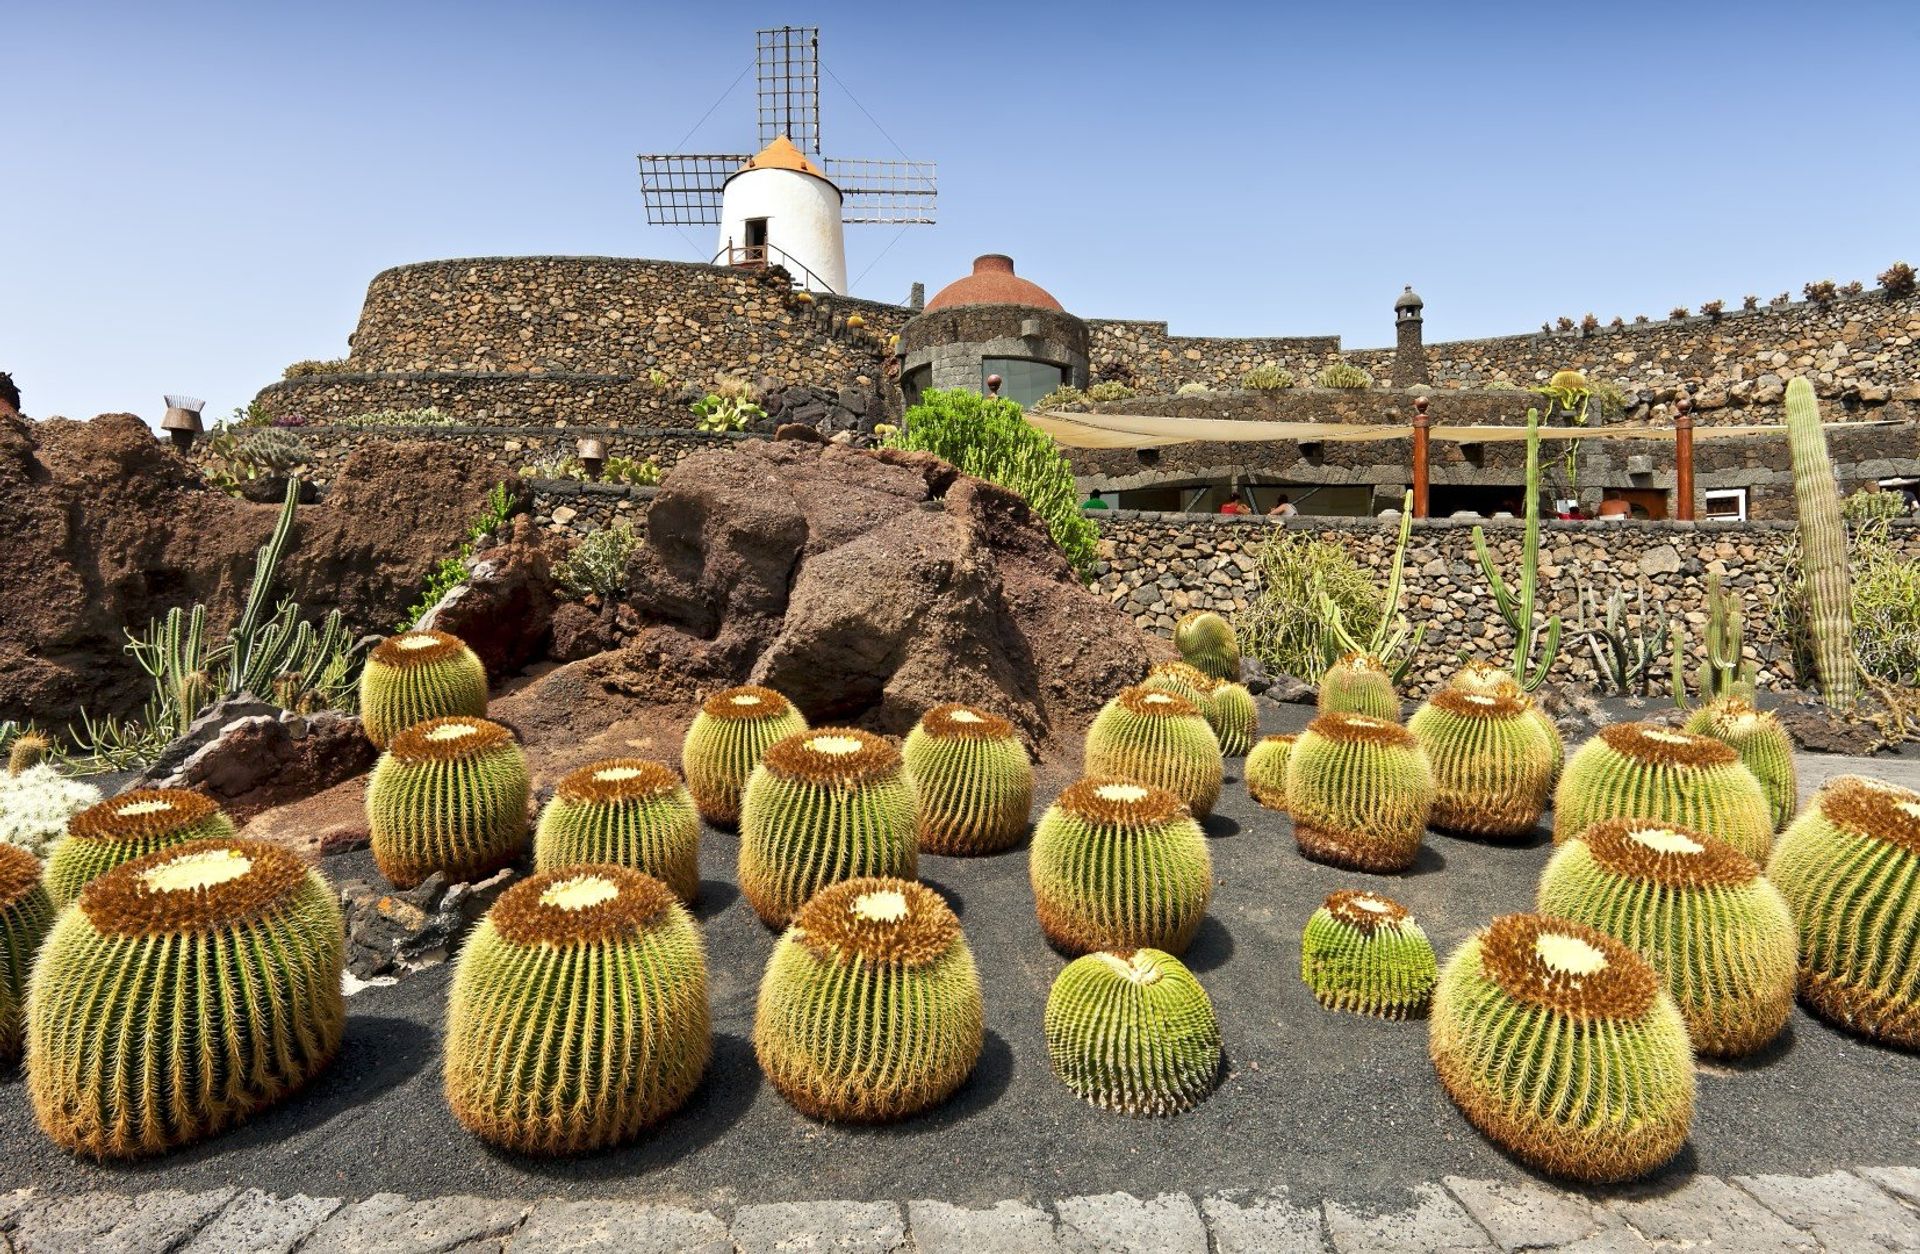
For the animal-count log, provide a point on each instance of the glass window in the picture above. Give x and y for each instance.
(1727, 504)
(1022, 382)
(915, 383)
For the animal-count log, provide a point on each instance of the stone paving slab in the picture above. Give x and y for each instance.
(1519, 1215)
(1437, 1224)
(1842, 1211)
(556, 1227)
(805, 1227)
(1119, 1223)
(1269, 1224)
(256, 1222)
(1006, 1228)
(113, 1223)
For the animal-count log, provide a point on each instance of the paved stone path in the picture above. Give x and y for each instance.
(1868, 1209)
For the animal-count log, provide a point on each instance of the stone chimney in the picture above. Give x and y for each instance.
(1409, 354)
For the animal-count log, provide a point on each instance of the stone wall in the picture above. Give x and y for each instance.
(482, 398)
(1151, 360)
(571, 510)
(1160, 566)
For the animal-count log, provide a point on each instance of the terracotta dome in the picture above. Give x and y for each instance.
(993, 282)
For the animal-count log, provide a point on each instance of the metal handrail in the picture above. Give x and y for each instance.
(756, 257)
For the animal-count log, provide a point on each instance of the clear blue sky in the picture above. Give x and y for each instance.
(197, 194)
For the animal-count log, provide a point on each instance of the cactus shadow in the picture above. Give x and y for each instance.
(949, 894)
(715, 897)
(1211, 947)
(1218, 826)
(987, 1084)
(1430, 862)
(1773, 1051)
(1535, 837)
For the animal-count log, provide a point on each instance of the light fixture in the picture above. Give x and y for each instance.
(182, 422)
(593, 455)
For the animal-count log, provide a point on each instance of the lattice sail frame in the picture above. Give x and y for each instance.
(786, 62)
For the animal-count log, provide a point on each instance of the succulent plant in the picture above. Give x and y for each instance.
(1234, 718)
(1644, 771)
(1119, 865)
(28, 750)
(1486, 679)
(1359, 683)
(1133, 1032)
(1365, 953)
(1848, 867)
(1181, 678)
(824, 806)
(37, 804)
(578, 1013)
(972, 782)
(1360, 792)
(1720, 936)
(724, 744)
(1764, 748)
(184, 992)
(123, 828)
(1206, 640)
(1492, 762)
(448, 795)
(1159, 739)
(415, 676)
(26, 912)
(628, 812)
(871, 1006)
(1560, 1044)
(1267, 771)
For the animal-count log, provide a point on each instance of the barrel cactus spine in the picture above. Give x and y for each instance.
(228, 955)
(1207, 641)
(1492, 763)
(1267, 771)
(1645, 771)
(448, 795)
(26, 912)
(629, 812)
(28, 750)
(1234, 718)
(1360, 792)
(1763, 745)
(1161, 740)
(1183, 679)
(1119, 865)
(1365, 953)
(415, 676)
(972, 781)
(1721, 937)
(824, 806)
(871, 1006)
(1560, 1044)
(123, 828)
(1359, 683)
(725, 742)
(1133, 1032)
(578, 1015)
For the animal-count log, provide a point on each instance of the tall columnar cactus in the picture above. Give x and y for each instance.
(1849, 867)
(1763, 745)
(448, 795)
(871, 1007)
(26, 912)
(418, 675)
(1207, 641)
(1645, 771)
(123, 828)
(972, 782)
(1560, 1044)
(184, 992)
(629, 812)
(1267, 771)
(1535, 644)
(824, 806)
(1133, 1032)
(1360, 791)
(578, 1014)
(1119, 865)
(1158, 739)
(1717, 932)
(1823, 548)
(1725, 671)
(1359, 683)
(1492, 762)
(1394, 642)
(729, 734)
(1365, 953)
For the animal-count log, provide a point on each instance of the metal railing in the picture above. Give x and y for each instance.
(761, 256)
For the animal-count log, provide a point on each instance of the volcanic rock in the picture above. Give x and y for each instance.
(504, 611)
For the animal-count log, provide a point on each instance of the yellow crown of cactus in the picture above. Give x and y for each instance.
(1720, 936)
(824, 806)
(1360, 791)
(1365, 953)
(1645, 771)
(1489, 680)
(728, 736)
(1160, 739)
(120, 829)
(1359, 683)
(1764, 748)
(448, 795)
(1560, 1044)
(1119, 865)
(415, 676)
(628, 812)
(1133, 1032)
(1267, 771)
(1492, 762)
(578, 1013)
(972, 782)
(26, 912)
(1849, 867)
(184, 992)
(871, 1007)
(1207, 641)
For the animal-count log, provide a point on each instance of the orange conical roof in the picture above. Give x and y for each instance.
(782, 154)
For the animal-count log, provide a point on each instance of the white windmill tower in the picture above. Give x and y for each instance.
(786, 205)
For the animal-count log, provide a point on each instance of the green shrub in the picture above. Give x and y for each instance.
(1192, 389)
(1897, 279)
(1340, 374)
(1886, 609)
(718, 412)
(1062, 398)
(426, 417)
(1110, 390)
(452, 571)
(990, 438)
(1284, 627)
(1863, 506)
(302, 369)
(1267, 378)
(615, 470)
(598, 564)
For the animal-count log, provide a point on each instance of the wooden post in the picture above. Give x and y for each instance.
(1421, 424)
(1683, 459)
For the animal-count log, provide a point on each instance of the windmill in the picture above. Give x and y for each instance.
(786, 205)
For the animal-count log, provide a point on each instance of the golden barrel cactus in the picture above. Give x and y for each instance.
(1645, 771)
(1492, 763)
(1159, 739)
(131, 825)
(415, 676)
(629, 812)
(972, 782)
(448, 795)
(1360, 791)
(729, 734)
(1119, 865)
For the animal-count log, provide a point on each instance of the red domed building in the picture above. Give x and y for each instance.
(993, 322)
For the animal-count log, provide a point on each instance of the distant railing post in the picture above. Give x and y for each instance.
(1421, 438)
(1683, 459)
